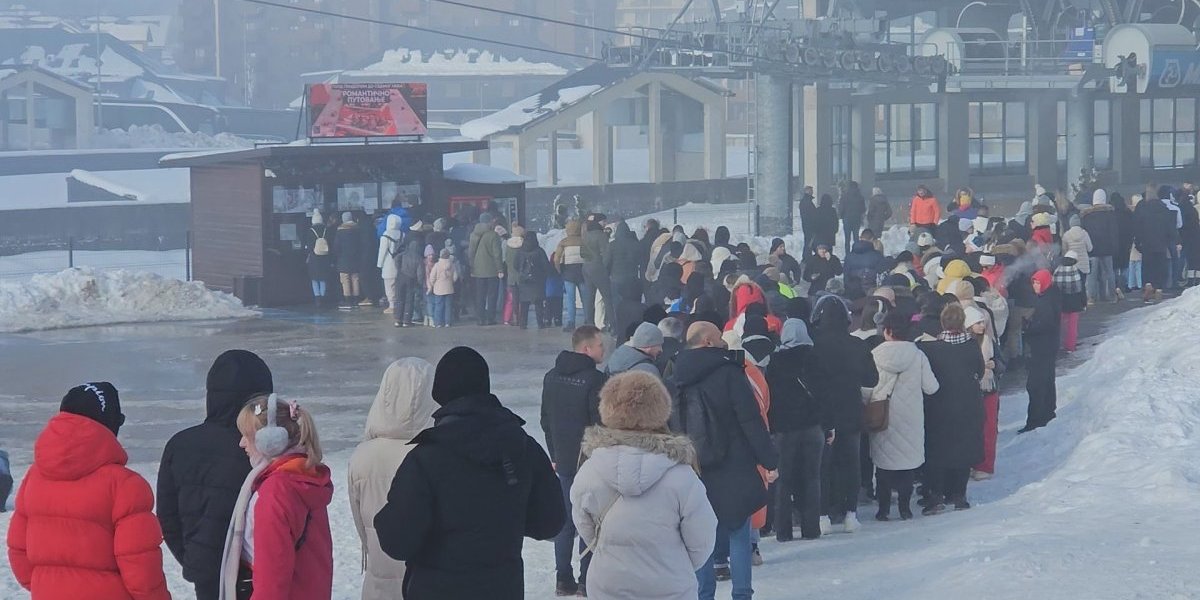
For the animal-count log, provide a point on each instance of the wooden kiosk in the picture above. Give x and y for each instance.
(250, 208)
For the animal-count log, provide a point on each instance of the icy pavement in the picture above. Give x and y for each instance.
(1092, 507)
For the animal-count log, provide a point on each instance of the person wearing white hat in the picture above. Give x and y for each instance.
(1074, 300)
(976, 324)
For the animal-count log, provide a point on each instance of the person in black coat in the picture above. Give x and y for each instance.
(1041, 334)
(1189, 237)
(820, 267)
(532, 269)
(721, 239)
(203, 469)
(862, 268)
(852, 207)
(953, 414)
(801, 426)
(788, 265)
(471, 489)
(843, 366)
(1100, 222)
(824, 222)
(805, 208)
(625, 253)
(1124, 237)
(712, 381)
(1154, 234)
(571, 404)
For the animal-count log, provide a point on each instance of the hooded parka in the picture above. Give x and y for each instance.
(402, 409)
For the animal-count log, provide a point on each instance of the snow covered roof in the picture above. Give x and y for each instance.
(473, 173)
(49, 190)
(456, 63)
(524, 112)
(554, 98)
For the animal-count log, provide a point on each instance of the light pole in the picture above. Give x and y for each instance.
(958, 21)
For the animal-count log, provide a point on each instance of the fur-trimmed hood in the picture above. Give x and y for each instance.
(631, 462)
(1095, 208)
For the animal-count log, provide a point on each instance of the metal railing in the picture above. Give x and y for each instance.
(1021, 57)
(176, 263)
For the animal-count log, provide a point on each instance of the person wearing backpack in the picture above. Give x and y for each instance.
(531, 268)
(388, 260)
(440, 284)
(319, 260)
(718, 411)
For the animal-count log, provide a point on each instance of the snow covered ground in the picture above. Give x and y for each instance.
(84, 296)
(22, 267)
(1095, 506)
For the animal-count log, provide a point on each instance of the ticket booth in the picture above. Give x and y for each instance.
(251, 208)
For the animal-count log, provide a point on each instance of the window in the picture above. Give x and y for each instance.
(906, 138)
(1102, 135)
(1168, 132)
(996, 136)
(840, 144)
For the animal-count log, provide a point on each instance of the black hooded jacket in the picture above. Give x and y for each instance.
(843, 365)
(625, 252)
(570, 404)
(463, 500)
(203, 468)
(734, 487)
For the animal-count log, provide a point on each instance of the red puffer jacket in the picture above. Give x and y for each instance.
(83, 527)
(293, 504)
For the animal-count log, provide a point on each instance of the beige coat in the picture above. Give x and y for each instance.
(403, 408)
(442, 277)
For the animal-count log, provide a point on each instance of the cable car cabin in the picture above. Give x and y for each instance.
(252, 209)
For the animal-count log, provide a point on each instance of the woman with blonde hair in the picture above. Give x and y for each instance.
(279, 544)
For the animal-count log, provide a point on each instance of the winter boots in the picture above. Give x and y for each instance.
(565, 586)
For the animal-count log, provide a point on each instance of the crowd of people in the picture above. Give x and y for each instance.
(744, 397)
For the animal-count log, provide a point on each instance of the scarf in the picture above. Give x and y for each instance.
(954, 337)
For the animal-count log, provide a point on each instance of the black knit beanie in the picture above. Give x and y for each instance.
(461, 372)
(97, 401)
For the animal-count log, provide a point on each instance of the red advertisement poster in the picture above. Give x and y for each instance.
(367, 109)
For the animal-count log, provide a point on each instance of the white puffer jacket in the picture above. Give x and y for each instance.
(905, 377)
(403, 408)
(388, 258)
(639, 505)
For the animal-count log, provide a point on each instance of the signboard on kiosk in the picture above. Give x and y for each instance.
(366, 110)
(1174, 70)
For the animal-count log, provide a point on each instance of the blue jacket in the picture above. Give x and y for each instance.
(399, 211)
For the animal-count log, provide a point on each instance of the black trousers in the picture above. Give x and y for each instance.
(486, 291)
(208, 590)
(799, 484)
(405, 299)
(900, 482)
(1155, 269)
(841, 476)
(523, 305)
(949, 483)
(1039, 382)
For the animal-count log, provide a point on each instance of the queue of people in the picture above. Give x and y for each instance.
(747, 396)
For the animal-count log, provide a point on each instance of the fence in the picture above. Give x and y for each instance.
(175, 264)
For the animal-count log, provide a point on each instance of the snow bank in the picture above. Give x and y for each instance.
(524, 112)
(84, 297)
(154, 136)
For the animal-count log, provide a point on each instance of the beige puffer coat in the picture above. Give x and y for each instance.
(403, 408)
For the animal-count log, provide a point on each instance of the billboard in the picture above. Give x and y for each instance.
(359, 110)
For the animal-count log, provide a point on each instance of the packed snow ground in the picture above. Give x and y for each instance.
(1095, 505)
(84, 296)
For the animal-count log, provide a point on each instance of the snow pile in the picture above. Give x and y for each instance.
(524, 112)
(84, 297)
(154, 136)
(473, 173)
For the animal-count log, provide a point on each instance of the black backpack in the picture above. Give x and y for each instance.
(531, 269)
(700, 422)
